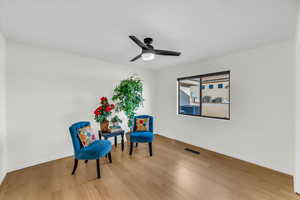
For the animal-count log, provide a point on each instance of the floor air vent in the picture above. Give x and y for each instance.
(191, 150)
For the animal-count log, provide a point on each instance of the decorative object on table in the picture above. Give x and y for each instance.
(116, 120)
(94, 151)
(102, 113)
(86, 135)
(128, 96)
(142, 124)
(115, 124)
(142, 136)
(115, 128)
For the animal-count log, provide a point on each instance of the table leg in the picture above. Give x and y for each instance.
(122, 141)
(115, 141)
(100, 135)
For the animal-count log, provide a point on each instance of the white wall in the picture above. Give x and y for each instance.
(297, 116)
(2, 109)
(261, 129)
(47, 91)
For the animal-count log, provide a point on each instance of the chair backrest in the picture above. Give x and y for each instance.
(74, 134)
(144, 116)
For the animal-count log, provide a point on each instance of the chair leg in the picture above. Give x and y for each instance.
(109, 157)
(75, 166)
(150, 148)
(98, 168)
(131, 147)
(136, 145)
(86, 161)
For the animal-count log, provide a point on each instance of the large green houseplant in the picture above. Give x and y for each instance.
(128, 96)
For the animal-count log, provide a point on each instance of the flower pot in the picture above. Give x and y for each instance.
(104, 126)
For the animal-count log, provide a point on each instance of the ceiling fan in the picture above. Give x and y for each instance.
(148, 51)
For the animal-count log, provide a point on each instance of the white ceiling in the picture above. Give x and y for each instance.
(100, 28)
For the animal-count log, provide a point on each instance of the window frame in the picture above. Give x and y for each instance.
(200, 88)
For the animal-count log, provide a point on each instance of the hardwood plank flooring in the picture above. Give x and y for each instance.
(171, 174)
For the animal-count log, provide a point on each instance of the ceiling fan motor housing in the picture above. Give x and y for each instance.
(148, 40)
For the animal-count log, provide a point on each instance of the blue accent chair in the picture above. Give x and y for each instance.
(94, 151)
(142, 136)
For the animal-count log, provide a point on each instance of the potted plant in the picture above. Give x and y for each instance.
(116, 120)
(102, 113)
(128, 96)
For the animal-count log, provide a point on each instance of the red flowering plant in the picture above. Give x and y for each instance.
(104, 110)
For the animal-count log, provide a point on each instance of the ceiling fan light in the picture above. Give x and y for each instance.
(148, 56)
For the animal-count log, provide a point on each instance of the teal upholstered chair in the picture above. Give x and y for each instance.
(142, 136)
(94, 151)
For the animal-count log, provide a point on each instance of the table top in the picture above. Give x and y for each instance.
(107, 135)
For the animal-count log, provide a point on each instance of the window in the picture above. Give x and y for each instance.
(189, 100)
(195, 99)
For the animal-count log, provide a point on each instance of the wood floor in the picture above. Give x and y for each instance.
(171, 173)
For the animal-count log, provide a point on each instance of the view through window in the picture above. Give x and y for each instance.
(205, 95)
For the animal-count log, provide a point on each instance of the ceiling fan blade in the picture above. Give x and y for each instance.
(138, 42)
(166, 53)
(135, 58)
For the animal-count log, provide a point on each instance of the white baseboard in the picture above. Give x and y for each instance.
(53, 157)
(32, 163)
(2, 176)
(255, 162)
